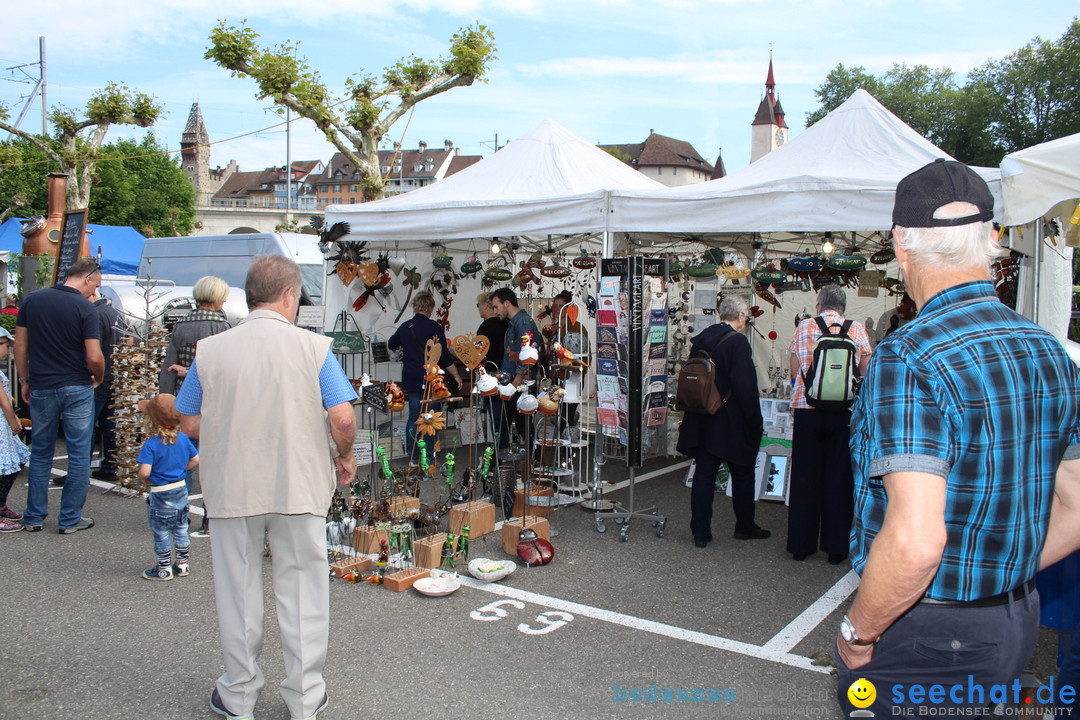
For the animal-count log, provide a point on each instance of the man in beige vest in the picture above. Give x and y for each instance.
(265, 399)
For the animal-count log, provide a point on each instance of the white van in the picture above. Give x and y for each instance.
(183, 260)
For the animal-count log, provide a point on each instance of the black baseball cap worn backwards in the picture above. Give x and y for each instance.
(941, 182)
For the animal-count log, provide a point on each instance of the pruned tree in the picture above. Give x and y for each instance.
(78, 140)
(356, 123)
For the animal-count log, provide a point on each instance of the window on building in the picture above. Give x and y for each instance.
(337, 188)
(352, 200)
(674, 171)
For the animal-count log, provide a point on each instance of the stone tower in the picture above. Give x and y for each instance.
(768, 131)
(195, 159)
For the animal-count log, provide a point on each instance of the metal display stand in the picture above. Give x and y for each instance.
(633, 289)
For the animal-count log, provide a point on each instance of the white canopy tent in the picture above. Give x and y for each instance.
(549, 181)
(838, 175)
(1043, 181)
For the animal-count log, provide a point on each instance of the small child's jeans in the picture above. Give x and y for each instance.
(168, 515)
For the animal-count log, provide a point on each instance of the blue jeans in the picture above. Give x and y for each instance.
(75, 405)
(168, 515)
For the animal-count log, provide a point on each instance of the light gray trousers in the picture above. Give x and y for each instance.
(302, 590)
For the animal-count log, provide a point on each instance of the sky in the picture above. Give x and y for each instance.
(609, 70)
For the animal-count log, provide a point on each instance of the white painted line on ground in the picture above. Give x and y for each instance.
(649, 626)
(812, 616)
(776, 650)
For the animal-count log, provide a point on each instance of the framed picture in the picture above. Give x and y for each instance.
(773, 473)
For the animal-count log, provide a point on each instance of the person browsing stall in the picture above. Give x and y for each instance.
(733, 434)
(411, 337)
(965, 440)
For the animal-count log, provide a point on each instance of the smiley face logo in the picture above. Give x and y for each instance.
(862, 693)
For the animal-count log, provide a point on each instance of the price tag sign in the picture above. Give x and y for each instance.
(311, 316)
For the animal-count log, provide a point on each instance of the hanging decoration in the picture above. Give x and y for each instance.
(702, 270)
(349, 256)
(768, 274)
(847, 263)
(442, 260)
(471, 266)
(585, 261)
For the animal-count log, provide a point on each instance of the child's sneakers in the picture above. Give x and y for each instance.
(158, 573)
(7, 513)
(181, 569)
(9, 525)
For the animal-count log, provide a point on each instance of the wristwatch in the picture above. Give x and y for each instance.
(847, 631)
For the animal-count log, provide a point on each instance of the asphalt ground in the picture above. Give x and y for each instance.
(84, 636)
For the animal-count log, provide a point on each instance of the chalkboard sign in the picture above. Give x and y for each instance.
(70, 241)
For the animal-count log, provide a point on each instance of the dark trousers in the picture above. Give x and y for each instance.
(106, 425)
(703, 489)
(931, 645)
(821, 501)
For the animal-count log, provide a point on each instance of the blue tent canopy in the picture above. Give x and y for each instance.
(121, 247)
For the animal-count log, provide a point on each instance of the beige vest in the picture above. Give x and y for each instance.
(263, 439)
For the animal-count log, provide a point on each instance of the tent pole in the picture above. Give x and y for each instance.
(1036, 292)
(605, 242)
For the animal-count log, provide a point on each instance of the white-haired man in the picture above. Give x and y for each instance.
(967, 415)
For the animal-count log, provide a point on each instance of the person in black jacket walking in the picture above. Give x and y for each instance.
(733, 434)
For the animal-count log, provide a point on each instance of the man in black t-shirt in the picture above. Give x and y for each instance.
(59, 359)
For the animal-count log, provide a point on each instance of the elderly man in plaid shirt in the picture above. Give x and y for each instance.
(966, 448)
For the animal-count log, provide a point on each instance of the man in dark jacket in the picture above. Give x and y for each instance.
(733, 434)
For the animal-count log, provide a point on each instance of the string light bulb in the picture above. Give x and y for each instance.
(494, 249)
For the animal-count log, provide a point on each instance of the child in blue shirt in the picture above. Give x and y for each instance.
(164, 461)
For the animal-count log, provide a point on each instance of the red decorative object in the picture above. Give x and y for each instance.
(772, 335)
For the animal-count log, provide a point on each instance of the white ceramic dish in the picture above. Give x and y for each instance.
(506, 567)
(436, 587)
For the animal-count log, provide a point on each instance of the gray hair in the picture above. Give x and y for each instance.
(732, 305)
(268, 278)
(832, 297)
(968, 246)
(210, 290)
(423, 302)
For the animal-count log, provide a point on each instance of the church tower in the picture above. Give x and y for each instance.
(195, 155)
(768, 131)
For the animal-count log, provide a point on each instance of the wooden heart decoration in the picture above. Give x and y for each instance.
(346, 272)
(432, 353)
(368, 273)
(471, 349)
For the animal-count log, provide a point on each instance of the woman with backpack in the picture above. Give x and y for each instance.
(733, 433)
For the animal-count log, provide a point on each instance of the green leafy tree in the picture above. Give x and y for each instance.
(140, 185)
(78, 140)
(1030, 96)
(1034, 93)
(23, 172)
(357, 122)
(134, 183)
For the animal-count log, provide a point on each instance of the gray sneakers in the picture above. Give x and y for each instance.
(84, 524)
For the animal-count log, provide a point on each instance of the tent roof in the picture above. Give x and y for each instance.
(1036, 179)
(547, 181)
(121, 247)
(840, 174)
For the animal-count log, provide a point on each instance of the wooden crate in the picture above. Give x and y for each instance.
(512, 527)
(427, 552)
(400, 503)
(356, 564)
(404, 579)
(533, 509)
(366, 539)
(479, 516)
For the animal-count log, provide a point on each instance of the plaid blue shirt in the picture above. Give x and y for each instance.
(972, 392)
